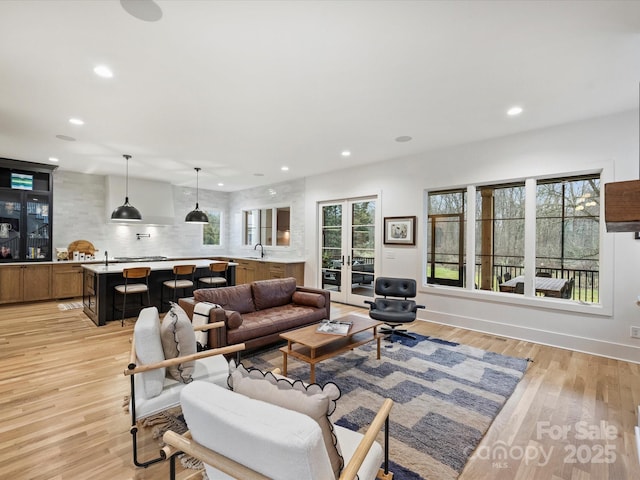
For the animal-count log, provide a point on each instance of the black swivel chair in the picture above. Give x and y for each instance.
(394, 311)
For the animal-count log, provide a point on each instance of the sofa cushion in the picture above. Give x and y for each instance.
(309, 299)
(146, 337)
(273, 293)
(236, 298)
(275, 320)
(311, 399)
(178, 340)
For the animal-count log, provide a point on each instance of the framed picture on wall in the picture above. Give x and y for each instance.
(400, 230)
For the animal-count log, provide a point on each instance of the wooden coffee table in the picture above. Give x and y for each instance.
(309, 346)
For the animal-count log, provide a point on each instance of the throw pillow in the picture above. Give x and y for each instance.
(309, 299)
(311, 399)
(178, 340)
(233, 319)
(146, 338)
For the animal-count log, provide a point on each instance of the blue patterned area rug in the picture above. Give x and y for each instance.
(446, 396)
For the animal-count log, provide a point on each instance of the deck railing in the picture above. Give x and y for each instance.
(586, 282)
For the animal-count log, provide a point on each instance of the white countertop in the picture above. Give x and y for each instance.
(267, 259)
(160, 265)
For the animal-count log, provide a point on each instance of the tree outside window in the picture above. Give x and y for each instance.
(567, 233)
(211, 230)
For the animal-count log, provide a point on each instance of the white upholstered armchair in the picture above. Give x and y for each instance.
(237, 436)
(153, 390)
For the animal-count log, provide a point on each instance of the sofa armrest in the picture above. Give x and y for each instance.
(325, 293)
(218, 337)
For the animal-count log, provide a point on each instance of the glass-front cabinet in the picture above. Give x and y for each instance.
(25, 211)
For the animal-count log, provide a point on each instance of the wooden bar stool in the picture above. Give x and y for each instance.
(182, 280)
(132, 288)
(218, 276)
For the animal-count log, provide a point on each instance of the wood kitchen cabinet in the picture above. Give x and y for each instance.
(66, 280)
(248, 270)
(245, 271)
(25, 283)
(269, 270)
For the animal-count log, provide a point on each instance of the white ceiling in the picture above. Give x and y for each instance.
(241, 88)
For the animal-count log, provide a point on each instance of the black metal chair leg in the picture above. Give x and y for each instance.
(134, 432)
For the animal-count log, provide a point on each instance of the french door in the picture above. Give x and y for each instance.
(347, 249)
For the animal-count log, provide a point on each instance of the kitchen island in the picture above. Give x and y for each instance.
(99, 281)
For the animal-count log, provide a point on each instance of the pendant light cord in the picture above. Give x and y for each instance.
(126, 184)
(197, 169)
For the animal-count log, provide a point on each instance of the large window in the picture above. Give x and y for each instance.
(566, 229)
(568, 233)
(499, 234)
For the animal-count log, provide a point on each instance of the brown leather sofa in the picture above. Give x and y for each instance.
(257, 313)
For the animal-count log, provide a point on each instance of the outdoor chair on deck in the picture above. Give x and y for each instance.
(394, 311)
(567, 292)
(519, 288)
(152, 391)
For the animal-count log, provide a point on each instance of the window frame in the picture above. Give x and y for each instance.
(262, 230)
(220, 215)
(605, 260)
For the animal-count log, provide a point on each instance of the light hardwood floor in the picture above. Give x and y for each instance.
(62, 386)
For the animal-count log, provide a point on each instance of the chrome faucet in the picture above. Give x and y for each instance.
(261, 249)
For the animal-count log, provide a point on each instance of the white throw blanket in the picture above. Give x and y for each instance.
(201, 317)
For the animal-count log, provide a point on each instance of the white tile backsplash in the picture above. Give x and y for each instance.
(79, 214)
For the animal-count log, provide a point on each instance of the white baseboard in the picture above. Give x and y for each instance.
(576, 343)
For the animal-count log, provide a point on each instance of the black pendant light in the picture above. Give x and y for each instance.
(126, 212)
(196, 215)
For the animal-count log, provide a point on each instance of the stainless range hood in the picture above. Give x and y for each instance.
(153, 199)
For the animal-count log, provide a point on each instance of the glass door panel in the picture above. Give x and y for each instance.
(10, 225)
(38, 227)
(362, 248)
(332, 255)
(347, 249)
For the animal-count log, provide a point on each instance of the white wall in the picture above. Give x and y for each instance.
(609, 144)
(79, 214)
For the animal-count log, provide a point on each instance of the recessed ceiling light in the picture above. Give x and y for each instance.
(403, 138)
(221, 184)
(76, 121)
(513, 111)
(66, 138)
(53, 159)
(346, 153)
(284, 169)
(103, 71)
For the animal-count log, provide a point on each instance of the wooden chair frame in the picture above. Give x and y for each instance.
(185, 444)
(217, 267)
(135, 273)
(133, 368)
(179, 271)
